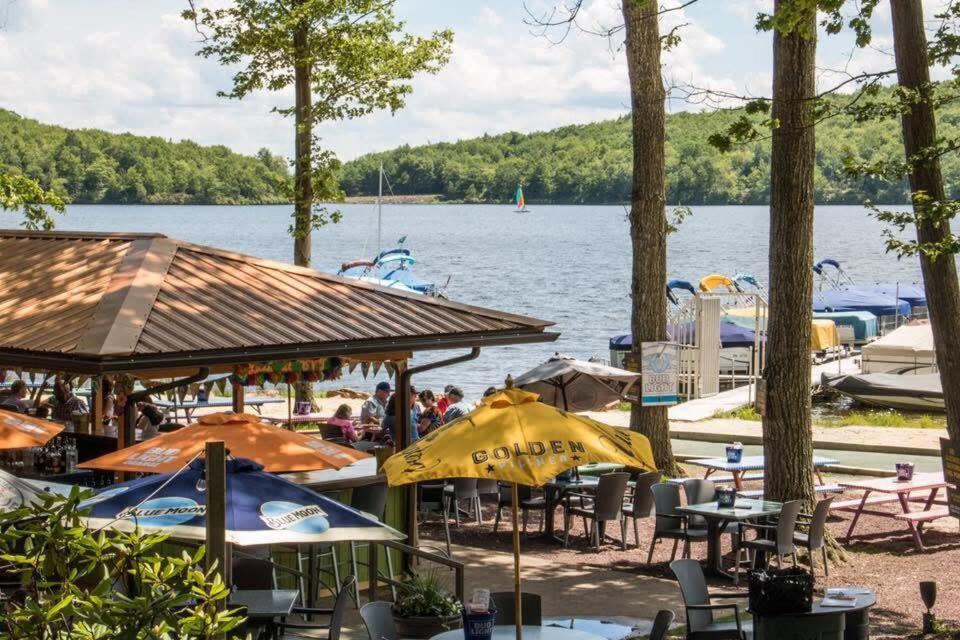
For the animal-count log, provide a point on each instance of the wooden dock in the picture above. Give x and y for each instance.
(706, 408)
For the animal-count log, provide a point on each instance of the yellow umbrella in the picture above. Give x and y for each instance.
(513, 437)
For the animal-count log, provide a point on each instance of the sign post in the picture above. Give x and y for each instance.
(659, 365)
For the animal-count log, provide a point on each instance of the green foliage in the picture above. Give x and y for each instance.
(354, 52)
(426, 596)
(592, 164)
(87, 585)
(21, 194)
(91, 166)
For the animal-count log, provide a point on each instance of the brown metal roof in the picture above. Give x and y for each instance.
(139, 299)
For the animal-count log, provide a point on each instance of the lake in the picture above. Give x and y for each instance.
(568, 264)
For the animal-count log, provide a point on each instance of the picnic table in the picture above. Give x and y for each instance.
(190, 407)
(750, 463)
(719, 517)
(298, 418)
(892, 490)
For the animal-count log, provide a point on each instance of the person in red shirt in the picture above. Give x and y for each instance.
(444, 402)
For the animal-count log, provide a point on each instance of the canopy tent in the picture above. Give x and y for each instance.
(277, 449)
(577, 385)
(907, 348)
(261, 509)
(879, 304)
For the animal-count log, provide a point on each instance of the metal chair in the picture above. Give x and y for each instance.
(371, 499)
(503, 602)
(640, 505)
(528, 503)
(336, 614)
(782, 544)
(253, 573)
(661, 624)
(606, 506)
(698, 491)
(701, 621)
(669, 524)
(813, 539)
(432, 500)
(378, 619)
(461, 489)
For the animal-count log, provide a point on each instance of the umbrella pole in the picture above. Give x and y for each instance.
(516, 561)
(289, 410)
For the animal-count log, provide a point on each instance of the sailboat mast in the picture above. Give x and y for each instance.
(379, 208)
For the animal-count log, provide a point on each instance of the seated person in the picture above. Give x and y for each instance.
(15, 401)
(151, 417)
(431, 418)
(455, 408)
(65, 402)
(342, 419)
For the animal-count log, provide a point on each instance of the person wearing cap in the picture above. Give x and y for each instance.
(454, 408)
(374, 409)
(390, 417)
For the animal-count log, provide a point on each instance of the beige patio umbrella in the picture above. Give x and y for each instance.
(577, 385)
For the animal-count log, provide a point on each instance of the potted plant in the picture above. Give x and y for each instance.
(425, 608)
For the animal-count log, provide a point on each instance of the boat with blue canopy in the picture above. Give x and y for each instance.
(879, 304)
(833, 278)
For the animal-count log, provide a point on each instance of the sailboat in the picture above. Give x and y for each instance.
(390, 267)
(521, 203)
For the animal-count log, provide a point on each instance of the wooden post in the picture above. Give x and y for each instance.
(216, 474)
(237, 398)
(96, 404)
(517, 594)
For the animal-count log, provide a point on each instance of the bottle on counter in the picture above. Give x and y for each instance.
(71, 455)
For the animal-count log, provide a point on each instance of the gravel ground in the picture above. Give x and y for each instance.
(881, 556)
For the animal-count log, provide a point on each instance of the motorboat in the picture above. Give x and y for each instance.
(918, 392)
(841, 293)
(907, 349)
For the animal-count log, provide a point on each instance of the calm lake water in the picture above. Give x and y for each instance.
(568, 264)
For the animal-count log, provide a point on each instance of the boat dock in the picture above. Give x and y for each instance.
(708, 407)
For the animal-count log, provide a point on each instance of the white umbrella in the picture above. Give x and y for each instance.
(577, 385)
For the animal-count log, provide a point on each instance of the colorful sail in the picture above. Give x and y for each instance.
(521, 204)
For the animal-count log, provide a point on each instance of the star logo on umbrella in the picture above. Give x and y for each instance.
(576, 458)
(490, 468)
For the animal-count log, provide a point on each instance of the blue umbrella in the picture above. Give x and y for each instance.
(261, 509)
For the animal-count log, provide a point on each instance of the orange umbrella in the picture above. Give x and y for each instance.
(276, 448)
(18, 430)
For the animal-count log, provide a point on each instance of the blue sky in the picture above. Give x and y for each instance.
(129, 66)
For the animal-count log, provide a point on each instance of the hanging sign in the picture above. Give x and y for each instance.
(659, 367)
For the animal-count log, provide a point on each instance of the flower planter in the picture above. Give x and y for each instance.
(425, 627)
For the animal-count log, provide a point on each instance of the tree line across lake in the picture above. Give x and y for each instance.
(91, 166)
(591, 164)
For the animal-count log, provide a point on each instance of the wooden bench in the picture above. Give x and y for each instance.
(854, 504)
(924, 516)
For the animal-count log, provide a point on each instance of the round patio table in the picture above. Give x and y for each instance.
(509, 632)
(829, 623)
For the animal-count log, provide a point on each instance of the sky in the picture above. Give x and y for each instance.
(131, 66)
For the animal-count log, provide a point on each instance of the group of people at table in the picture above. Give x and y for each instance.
(377, 419)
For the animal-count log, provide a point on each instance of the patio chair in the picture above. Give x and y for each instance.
(606, 506)
(461, 489)
(813, 539)
(528, 503)
(432, 501)
(335, 613)
(782, 543)
(253, 573)
(640, 505)
(372, 499)
(661, 624)
(698, 491)
(702, 624)
(378, 619)
(504, 603)
(669, 524)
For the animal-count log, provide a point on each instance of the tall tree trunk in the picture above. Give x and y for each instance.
(920, 133)
(303, 174)
(787, 435)
(648, 220)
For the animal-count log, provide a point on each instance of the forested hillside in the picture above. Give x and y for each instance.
(592, 164)
(91, 166)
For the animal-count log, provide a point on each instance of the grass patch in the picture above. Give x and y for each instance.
(863, 417)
